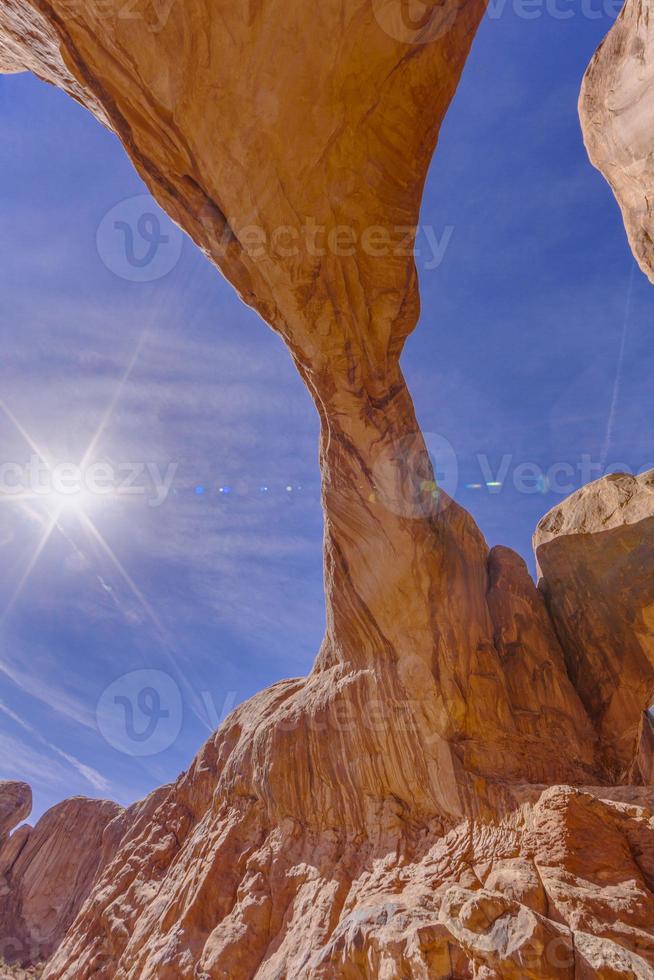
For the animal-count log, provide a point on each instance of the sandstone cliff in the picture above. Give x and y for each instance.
(446, 794)
(47, 871)
(596, 553)
(616, 116)
(527, 880)
(15, 806)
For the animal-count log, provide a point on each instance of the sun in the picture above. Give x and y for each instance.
(50, 491)
(75, 503)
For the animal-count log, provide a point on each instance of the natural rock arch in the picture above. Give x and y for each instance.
(339, 138)
(309, 803)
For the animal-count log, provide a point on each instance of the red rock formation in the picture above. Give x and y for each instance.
(225, 142)
(47, 872)
(616, 108)
(596, 553)
(538, 882)
(15, 806)
(394, 813)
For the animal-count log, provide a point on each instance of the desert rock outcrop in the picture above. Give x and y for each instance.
(596, 555)
(529, 881)
(46, 873)
(538, 882)
(322, 161)
(15, 806)
(616, 108)
(397, 812)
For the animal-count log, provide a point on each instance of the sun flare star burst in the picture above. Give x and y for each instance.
(56, 500)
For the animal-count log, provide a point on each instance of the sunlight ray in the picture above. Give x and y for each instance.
(106, 418)
(106, 548)
(193, 700)
(51, 525)
(25, 434)
(31, 513)
(19, 498)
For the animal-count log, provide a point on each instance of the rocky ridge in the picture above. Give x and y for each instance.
(47, 871)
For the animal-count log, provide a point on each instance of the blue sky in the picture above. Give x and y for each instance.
(534, 324)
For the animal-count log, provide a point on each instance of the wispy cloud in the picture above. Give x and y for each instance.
(91, 775)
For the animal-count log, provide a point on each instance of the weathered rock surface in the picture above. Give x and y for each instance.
(15, 806)
(548, 882)
(396, 813)
(617, 500)
(617, 108)
(526, 881)
(46, 873)
(13, 971)
(596, 555)
(339, 141)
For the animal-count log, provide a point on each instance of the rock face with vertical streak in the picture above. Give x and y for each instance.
(617, 109)
(46, 874)
(596, 554)
(426, 802)
(15, 806)
(47, 871)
